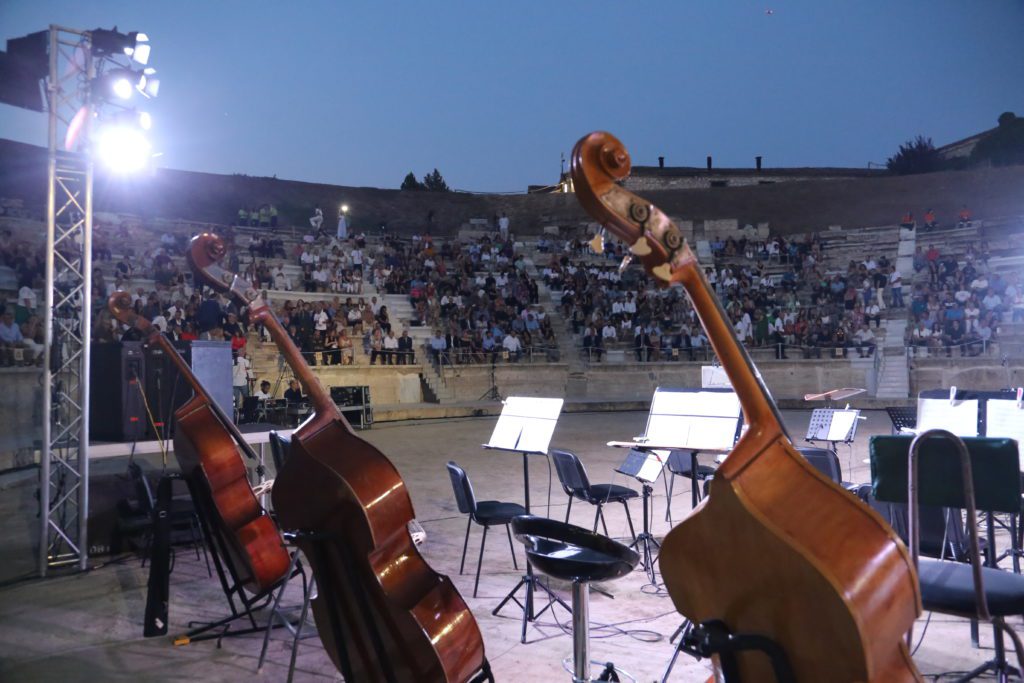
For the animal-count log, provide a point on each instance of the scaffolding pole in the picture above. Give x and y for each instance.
(64, 462)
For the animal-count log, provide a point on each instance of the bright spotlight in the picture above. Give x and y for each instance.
(108, 42)
(145, 120)
(123, 149)
(344, 208)
(139, 51)
(122, 87)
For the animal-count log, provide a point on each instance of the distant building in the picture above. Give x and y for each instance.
(647, 178)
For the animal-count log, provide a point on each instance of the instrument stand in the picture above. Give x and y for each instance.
(276, 612)
(646, 539)
(529, 581)
(525, 427)
(230, 582)
(713, 638)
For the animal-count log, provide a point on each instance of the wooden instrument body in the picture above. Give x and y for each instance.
(776, 549)
(206, 445)
(397, 617)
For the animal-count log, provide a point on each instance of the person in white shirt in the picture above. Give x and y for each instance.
(357, 260)
(27, 298)
(511, 344)
(503, 226)
(608, 331)
(390, 348)
(320, 319)
(241, 373)
(896, 287)
(263, 393)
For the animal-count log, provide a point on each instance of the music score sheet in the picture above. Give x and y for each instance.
(526, 424)
(958, 417)
(1004, 419)
(700, 420)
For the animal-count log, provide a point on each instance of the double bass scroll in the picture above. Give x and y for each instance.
(776, 550)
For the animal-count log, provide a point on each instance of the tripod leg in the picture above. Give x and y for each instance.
(669, 485)
(511, 547)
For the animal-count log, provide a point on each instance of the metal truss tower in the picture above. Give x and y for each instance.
(64, 466)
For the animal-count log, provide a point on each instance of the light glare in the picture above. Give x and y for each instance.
(145, 120)
(122, 87)
(123, 149)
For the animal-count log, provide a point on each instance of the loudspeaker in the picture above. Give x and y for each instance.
(168, 390)
(116, 409)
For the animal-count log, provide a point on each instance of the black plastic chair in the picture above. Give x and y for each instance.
(183, 515)
(486, 513)
(279, 449)
(967, 474)
(680, 464)
(826, 461)
(576, 484)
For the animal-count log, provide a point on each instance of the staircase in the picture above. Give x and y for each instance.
(567, 351)
(893, 372)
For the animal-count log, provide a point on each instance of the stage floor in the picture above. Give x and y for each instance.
(79, 627)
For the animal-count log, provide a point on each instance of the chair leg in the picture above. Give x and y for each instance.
(597, 517)
(568, 510)
(511, 547)
(480, 561)
(629, 518)
(604, 525)
(465, 544)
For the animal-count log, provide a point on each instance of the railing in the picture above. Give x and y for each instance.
(644, 354)
(454, 358)
(972, 348)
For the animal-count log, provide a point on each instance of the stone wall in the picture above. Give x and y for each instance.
(470, 383)
(388, 384)
(646, 178)
(982, 374)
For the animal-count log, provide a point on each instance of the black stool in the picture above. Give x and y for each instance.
(571, 553)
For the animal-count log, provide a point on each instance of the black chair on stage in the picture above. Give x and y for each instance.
(486, 513)
(826, 461)
(680, 464)
(576, 484)
(969, 474)
(279, 449)
(571, 553)
(183, 515)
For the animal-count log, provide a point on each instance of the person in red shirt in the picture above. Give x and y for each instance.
(932, 254)
(929, 220)
(188, 333)
(908, 221)
(965, 217)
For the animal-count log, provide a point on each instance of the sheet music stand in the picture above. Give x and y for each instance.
(903, 419)
(645, 467)
(525, 426)
(696, 420)
(832, 425)
(834, 395)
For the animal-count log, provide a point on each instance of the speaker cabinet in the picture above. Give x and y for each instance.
(116, 409)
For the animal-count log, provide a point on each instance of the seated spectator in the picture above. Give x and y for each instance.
(864, 340)
(513, 346)
(964, 217)
(929, 220)
(908, 221)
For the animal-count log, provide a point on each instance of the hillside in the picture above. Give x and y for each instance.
(788, 207)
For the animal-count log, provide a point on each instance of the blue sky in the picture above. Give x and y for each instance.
(492, 93)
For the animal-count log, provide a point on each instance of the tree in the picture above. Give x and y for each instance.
(434, 182)
(410, 183)
(915, 156)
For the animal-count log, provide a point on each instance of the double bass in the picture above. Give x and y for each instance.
(776, 550)
(206, 445)
(382, 612)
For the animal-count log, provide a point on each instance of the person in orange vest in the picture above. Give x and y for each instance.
(929, 220)
(965, 217)
(908, 221)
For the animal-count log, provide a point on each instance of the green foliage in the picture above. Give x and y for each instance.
(434, 182)
(1005, 145)
(410, 183)
(915, 156)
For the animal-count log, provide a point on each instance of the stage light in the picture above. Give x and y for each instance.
(344, 208)
(123, 148)
(145, 120)
(149, 84)
(122, 87)
(106, 42)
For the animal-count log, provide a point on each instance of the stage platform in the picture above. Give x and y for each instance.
(88, 627)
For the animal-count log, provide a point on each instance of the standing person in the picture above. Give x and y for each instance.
(241, 375)
(503, 226)
(896, 287)
(343, 223)
(273, 216)
(317, 219)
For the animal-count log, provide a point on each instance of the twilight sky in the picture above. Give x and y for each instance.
(492, 93)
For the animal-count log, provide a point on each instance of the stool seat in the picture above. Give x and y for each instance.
(949, 587)
(572, 553)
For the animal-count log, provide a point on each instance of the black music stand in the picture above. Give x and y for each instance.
(903, 419)
(525, 426)
(644, 466)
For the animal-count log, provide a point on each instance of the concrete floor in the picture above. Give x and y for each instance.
(87, 627)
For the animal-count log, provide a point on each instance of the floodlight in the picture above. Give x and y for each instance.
(149, 84)
(344, 208)
(107, 42)
(123, 148)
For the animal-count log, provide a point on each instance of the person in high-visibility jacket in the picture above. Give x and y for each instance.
(243, 216)
(273, 216)
(254, 217)
(264, 216)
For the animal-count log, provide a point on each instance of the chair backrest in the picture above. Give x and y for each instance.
(279, 446)
(142, 489)
(570, 472)
(825, 461)
(679, 462)
(995, 469)
(465, 499)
